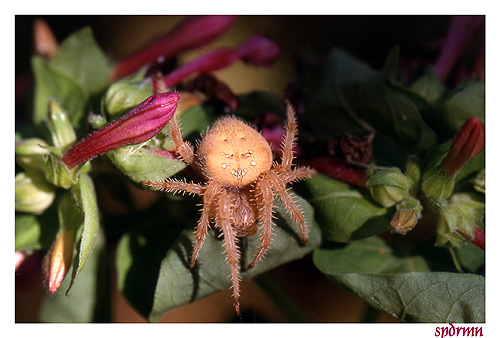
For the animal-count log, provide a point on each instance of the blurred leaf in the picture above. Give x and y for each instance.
(428, 86)
(369, 255)
(342, 212)
(51, 83)
(177, 285)
(27, 232)
(471, 257)
(79, 70)
(81, 303)
(467, 102)
(259, 102)
(143, 165)
(81, 59)
(84, 195)
(428, 297)
(354, 98)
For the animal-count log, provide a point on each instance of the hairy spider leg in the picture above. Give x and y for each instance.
(209, 197)
(289, 139)
(265, 217)
(184, 149)
(176, 187)
(223, 221)
(279, 186)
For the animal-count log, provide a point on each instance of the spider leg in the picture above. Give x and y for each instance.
(289, 139)
(297, 174)
(175, 186)
(263, 187)
(209, 197)
(184, 149)
(278, 185)
(224, 222)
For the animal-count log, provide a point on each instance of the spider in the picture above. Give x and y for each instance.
(241, 182)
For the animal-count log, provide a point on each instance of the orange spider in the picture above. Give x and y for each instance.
(241, 181)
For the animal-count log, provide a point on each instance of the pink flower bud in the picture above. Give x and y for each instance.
(467, 143)
(191, 33)
(58, 259)
(257, 50)
(139, 125)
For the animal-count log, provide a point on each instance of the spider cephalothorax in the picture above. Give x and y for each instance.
(241, 181)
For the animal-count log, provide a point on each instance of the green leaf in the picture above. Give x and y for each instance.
(85, 197)
(176, 284)
(467, 102)
(344, 213)
(82, 60)
(354, 98)
(81, 304)
(27, 232)
(428, 86)
(428, 297)
(259, 102)
(79, 70)
(51, 83)
(143, 165)
(369, 255)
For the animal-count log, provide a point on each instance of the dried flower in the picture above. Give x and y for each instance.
(408, 212)
(191, 33)
(139, 125)
(257, 50)
(467, 143)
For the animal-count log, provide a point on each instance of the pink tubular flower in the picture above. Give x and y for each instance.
(467, 143)
(257, 50)
(461, 32)
(139, 125)
(191, 33)
(338, 171)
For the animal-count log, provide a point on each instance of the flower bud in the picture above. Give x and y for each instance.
(459, 218)
(408, 213)
(436, 185)
(139, 125)
(389, 186)
(257, 50)
(44, 40)
(58, 174)
(125, 94)
(29, 153)
(413, 172)
(33, 193)
(480, 182)
(58, 259)
(467, 143)
(60, 127)
(191, 33)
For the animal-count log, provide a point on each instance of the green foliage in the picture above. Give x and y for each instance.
(154, 244)
(142, 253)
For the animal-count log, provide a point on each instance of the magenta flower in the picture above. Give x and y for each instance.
(467, 143)
(189, 34)
(462, 30)
(257, 50)
(139, 125)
